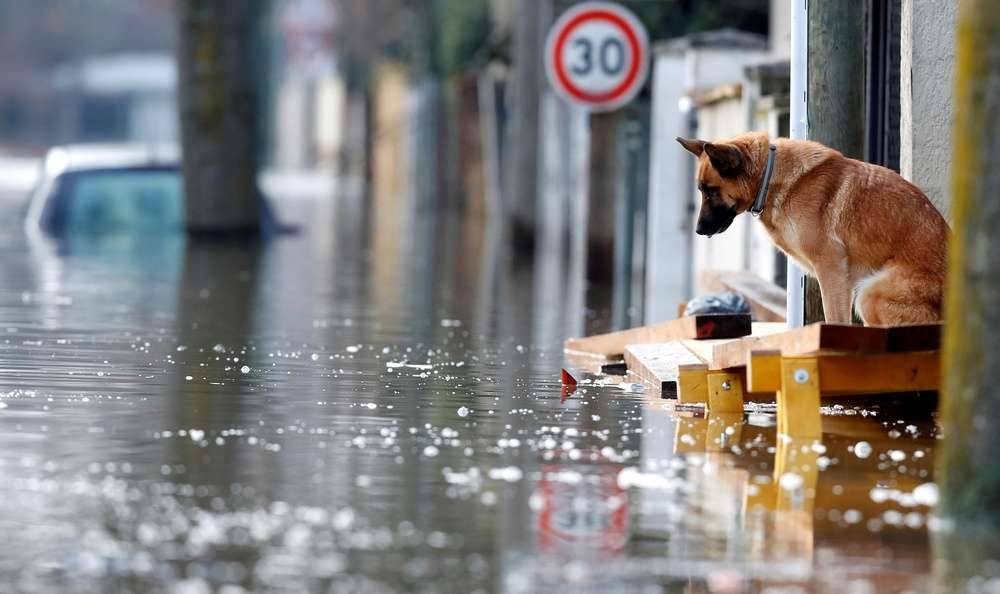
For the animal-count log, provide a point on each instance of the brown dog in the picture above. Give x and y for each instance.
(862, 230)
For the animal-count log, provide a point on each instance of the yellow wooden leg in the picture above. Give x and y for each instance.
(725, 392)
(690, 436)
(724, 431)
(798, 399)
(692, 384)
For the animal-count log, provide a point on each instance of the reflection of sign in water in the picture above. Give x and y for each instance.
(578, 511)
(597, 55)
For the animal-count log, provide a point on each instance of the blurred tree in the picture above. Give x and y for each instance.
(218, 103)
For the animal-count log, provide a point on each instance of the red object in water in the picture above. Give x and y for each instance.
(568, 381)
(568, 385)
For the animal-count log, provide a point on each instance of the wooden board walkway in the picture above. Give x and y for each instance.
(659, 366)
(705, 327)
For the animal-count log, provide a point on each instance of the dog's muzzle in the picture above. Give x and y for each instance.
(716, 220)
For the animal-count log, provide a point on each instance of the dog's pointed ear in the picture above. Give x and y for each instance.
(726, 158)
(695, 147)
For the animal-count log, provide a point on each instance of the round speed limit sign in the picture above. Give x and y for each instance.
(597, 55)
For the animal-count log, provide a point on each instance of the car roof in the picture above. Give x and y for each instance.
(75, 158)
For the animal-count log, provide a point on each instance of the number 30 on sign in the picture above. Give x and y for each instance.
(597, 55)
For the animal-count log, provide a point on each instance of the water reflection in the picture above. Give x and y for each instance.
(374, 406)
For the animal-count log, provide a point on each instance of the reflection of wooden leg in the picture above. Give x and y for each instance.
(725, 392)
(798, 399)
(690, 437)
(796, 474)
(724, 431)
(692, 384)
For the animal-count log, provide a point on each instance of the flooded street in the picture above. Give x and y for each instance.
(373, 405)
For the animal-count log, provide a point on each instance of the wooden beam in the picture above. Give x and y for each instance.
(692, 384)
(725, 392)
(921, 337)
(880, 373)
(658, 365)
(693, 328)
(767, 300)
(818, 338)
(798, 399)
(727, 354)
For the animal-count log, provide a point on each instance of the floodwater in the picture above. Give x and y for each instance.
(374, 405)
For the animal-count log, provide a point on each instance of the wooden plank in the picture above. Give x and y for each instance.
(798, 398)
(692, 384)
(767, 300)
(878, 373)
(657, 365)
(704, 350)
(820, 338)
(732, 353)
(882, 373)
(694, 328)
(921, 337)
(764, 371)
(725, 392)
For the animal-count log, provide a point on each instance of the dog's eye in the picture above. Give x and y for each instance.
(710, 191)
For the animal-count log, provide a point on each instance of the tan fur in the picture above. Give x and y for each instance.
(861, 229)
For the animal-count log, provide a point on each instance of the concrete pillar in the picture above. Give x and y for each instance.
(927, 63)
(218, 101)
(836, 91)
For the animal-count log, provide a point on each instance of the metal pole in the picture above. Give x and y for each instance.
(795, 299)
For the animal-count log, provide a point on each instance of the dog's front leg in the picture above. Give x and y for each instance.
(835, 286)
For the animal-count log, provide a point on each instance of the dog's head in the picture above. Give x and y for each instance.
(724, 181)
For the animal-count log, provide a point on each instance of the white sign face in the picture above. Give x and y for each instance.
(597, 55)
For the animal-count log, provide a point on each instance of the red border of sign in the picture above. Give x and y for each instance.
(633, 40)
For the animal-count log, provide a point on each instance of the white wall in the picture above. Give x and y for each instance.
(668, 250)
(781, 28)
(927, 98)
(670, 264)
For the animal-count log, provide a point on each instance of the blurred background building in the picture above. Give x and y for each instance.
(441, 106)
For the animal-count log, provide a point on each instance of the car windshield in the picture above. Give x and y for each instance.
(125, 201)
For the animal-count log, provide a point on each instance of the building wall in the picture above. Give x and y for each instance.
(927, 100)
(745, 245)
(668, 250)
(729, 250)
(781, 28)
(670, 267)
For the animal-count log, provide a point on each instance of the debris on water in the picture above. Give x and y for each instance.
(463, 411)
(862, 449)
(408, 365)
(245, 369)
(926, 494)
(791, 481)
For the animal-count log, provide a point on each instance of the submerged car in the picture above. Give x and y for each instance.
(113, 189)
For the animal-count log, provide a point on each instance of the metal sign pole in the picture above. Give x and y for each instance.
(795, 296)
